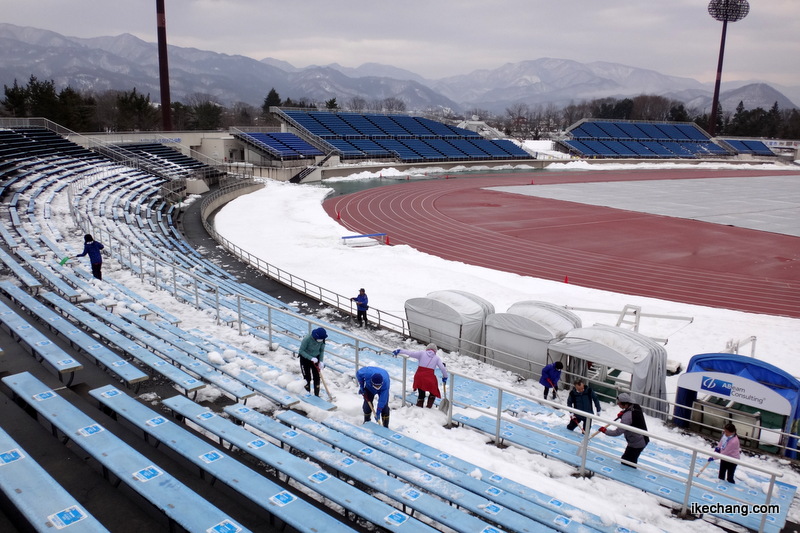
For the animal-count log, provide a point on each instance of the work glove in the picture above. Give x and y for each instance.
(361, 391)
(314, 360)
(716, 449)
(396, 352)
(602, 429)
(321, 365)
(444, 380)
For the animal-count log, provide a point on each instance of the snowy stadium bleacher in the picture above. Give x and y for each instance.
(406, 138)
(136, 341)
(595, 138)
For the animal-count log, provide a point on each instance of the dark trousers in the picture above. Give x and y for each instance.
(575, 421)
(309, 370)
(361, 316)
(726, 471)
(546, 390)
(367, 408)
(632, 455)
(97, 270)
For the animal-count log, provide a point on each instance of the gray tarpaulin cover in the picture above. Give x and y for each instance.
(626, 350)
(518, 339)
(454, 320)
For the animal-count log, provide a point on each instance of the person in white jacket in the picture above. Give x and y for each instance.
(425, 378)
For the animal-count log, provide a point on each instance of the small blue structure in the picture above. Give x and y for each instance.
(728, 379)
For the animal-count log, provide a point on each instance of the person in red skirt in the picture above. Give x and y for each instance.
(425, 379)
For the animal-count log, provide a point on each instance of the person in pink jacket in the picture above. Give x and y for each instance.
(425, 378)
(729, 446)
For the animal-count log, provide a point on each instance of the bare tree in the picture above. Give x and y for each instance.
(356, 103)
(394, 105)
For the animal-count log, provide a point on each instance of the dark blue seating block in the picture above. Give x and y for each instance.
(334, 123)
(638, 148)
(370, 147)
(758, 147)
(423, 149)
(651, 131)
(692, 132)
(595, 131)
(612, 130)
(676, 148)
(346, 149)
(438, 128)
(580, 147)
(468, 148)
(494, 151)
(413, 126)
(399, 149)
(510, 148)
(446, 149)
(620, 149)
(657, 149)
(632, 130)
(388, 125)
(671, 132)
(310, 124)
(599, 148)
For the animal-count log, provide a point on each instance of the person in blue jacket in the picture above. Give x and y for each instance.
(92, 247)
(312, 352)
(551, 374)
(362, 305)
(374, 381)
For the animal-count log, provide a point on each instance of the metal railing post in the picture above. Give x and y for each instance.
(499, 417)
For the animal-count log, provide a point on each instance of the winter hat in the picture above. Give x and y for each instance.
(319, 334)
(624, 397)
(376, 381)
(432, 346)
(559, 365)
(87, 238)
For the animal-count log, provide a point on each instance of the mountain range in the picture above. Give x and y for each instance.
(124, 62)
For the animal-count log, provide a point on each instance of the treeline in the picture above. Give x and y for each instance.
(133, 111)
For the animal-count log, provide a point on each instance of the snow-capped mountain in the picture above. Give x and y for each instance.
(124, 62)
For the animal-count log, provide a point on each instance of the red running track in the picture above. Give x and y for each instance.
(621, 251)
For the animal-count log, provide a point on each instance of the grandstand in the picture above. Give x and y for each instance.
(406, 138)
(595, 138)
(135, 343)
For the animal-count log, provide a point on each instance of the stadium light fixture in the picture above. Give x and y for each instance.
(724, 11)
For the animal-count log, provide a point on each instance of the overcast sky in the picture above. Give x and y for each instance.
(438, 38)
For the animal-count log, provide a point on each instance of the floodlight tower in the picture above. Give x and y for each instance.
(725, 11)
(163, 67)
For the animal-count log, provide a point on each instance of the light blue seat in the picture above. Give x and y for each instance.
(182, 505)
(359, 471)
(260, 490)
(476, 496)
(301, 471)
(44, 503)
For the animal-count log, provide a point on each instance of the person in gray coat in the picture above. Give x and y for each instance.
(630, 415)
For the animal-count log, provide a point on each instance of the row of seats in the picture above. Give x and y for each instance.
(407, 138)
(281, 145)
(631, 139)
(171, 159)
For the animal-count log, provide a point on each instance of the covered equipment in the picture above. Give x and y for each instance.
(518, 339)
(454, 320)
(640, 361)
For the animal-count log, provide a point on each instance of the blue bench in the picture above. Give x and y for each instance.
(378, 436)
(26, 277)
(130, 347)
(381, 237)
(37, 496)
(663, 486)
(434, 477)
(360, 472)
(174, 355)
(42, 348)
(49, 276)
(179, 503)
(265, 493)
(101, 354)
(301, 471)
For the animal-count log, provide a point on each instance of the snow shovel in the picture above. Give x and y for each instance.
(704, 467)
(64, 261)
(325, 383)
(444, 405)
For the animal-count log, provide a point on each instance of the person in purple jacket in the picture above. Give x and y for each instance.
(729, 446)
(92, 247)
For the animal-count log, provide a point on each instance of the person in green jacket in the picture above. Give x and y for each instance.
(312, 352)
